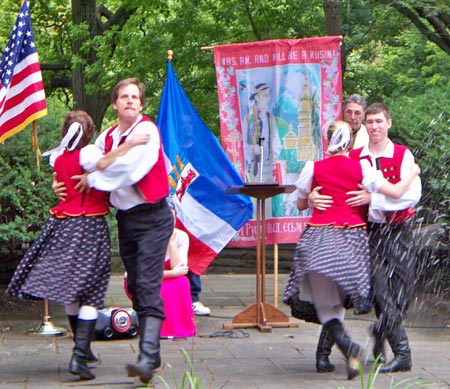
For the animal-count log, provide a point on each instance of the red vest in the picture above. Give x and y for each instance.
(337, 175)
(76, 203)
(154, 185)
(391, 169)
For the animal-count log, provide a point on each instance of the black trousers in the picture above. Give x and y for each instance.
(393, 267)
(144, 233)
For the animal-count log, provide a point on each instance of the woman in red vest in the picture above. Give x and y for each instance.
(69, 263)
(331, 263)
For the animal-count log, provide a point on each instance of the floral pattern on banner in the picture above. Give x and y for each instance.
(232, 138)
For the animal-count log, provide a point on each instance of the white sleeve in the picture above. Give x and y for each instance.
(304, 181)
(372, 179)
(409, 199)
(89, 156)
(131, 167)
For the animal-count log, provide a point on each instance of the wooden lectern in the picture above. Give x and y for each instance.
(262, 315)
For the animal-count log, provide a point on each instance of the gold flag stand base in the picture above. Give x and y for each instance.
(47, 327)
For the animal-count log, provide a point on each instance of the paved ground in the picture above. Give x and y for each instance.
(236, 359)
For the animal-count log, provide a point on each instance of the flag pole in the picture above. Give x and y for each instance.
(46, 327)
(36, 145)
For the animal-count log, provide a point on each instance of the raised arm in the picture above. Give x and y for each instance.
(108, 159)
(398, 190)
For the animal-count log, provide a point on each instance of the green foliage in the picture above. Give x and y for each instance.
(423, 124)
(373, 374)
(396, 65)
(25, 192)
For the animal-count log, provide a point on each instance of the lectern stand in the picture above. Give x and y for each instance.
(262, 315)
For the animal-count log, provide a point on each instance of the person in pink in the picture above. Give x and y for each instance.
(331, 262)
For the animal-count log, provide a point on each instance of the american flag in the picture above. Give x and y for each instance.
(22, 96)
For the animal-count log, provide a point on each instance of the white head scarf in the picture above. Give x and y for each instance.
(340, 139)
(73, 129)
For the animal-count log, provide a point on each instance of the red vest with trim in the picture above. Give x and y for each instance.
(391, 169)
(76, 203)
(337, 175)
(154, 185)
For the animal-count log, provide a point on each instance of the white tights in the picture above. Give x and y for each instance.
(327, 298)
(85, 312)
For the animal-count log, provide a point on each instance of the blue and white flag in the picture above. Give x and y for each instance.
(201, 172)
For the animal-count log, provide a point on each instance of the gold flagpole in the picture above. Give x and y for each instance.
(36, 145)
(46, 327)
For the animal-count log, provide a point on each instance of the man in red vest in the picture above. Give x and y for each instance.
(390, 223)
(138, 186)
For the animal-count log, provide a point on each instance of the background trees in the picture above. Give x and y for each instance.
(396, 52)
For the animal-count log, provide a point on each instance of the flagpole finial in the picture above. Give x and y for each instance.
(170, 55)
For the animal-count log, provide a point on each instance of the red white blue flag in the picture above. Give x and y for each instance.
(22, 96)
(201, 172)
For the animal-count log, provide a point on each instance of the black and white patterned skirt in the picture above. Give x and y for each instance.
(341, 254)
(69, 262)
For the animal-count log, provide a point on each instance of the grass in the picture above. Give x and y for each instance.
(373, 374)
(189, 380)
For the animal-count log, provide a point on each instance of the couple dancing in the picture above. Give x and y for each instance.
(332, 266)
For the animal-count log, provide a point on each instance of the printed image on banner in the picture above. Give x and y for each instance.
(276, 100)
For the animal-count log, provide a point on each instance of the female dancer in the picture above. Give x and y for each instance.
(331, 262)
(69, 263)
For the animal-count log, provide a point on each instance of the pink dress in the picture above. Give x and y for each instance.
(176, 294)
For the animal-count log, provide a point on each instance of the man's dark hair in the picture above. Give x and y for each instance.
(375, 108)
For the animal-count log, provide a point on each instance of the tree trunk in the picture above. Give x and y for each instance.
(83, 11)
(334, 25)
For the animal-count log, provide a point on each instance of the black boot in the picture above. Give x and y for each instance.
(326, 342)
(91, 357)
(400, 347)
(83, 336)
(149, 358)
(378, 346)
(350, 349)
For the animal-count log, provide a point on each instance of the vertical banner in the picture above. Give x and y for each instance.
(276, 100)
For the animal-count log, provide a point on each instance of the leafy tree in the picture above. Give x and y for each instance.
(86, 46)
(431, 18)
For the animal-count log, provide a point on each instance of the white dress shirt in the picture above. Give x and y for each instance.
(362, 137)
(126, 170)
(379, 202)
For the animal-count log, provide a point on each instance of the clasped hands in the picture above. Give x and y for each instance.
(322, 202)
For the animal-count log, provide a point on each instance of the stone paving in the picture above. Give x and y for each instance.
(247, 358)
